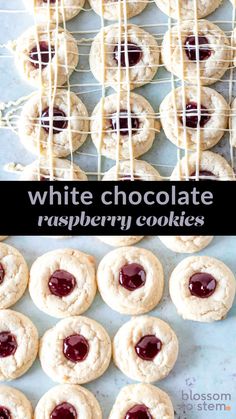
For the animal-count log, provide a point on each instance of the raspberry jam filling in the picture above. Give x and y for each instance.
(63, 411)
(148, 347)
(134, 54)
(202, 285)
(204, 173)
(2, 274)
(8, 344)
(139, 411)
(191, 116)
(132, 276)
(5, 413)
(59, 120)
(76, 348)
(190, 48)
(61, 283)
(124, 122)
(40, 57)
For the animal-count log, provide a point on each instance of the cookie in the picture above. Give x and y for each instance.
(53, 125)
(14, 275)
(3, 238)
(189, 128)
(202, 288)
(18, 344)
(130, 280)
(180, 56)
(75, 351)
(145, 349)
(68, 401)
(127, 128)
(46, 56)
(139, 170)
(63, 283)
(211, 166)
(142, 401)
(51, 11)
(56, 169)
(14, 404)
(118, 10)
(118, 241)
(233, 122)
(134, 48)
(186, 244)
(185, 10)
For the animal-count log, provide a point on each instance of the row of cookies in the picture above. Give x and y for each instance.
(182, 131)
(197, 52)
(180, 124)
(130, 280)
(211, 165)
(44, 11)
(78, 350)
(179, 120)
(72, 401)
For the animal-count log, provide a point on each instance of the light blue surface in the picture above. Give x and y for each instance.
(207, 360)
(163, 153)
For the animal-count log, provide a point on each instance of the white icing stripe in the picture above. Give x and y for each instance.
(40, 88)
(126, 40)
(183, 90)
(103, 88)
(173, 90)
(231, 82)
(68, 95)
(118, 94)
(198, 148)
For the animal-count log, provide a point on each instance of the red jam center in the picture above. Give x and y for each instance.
(134, 54)
(59, 120)
(132, 276)
(41, 56)
(191, 115)
(4, 413)
(75, 348)
(190, 48)
(8, 344)
(2, 274)
(202, 285)
(204, 173)
(64, 411)
(148, 347)
(124, 123)
(140, 411)
(61, 283)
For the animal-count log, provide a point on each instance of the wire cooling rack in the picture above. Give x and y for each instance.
(163, 155)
